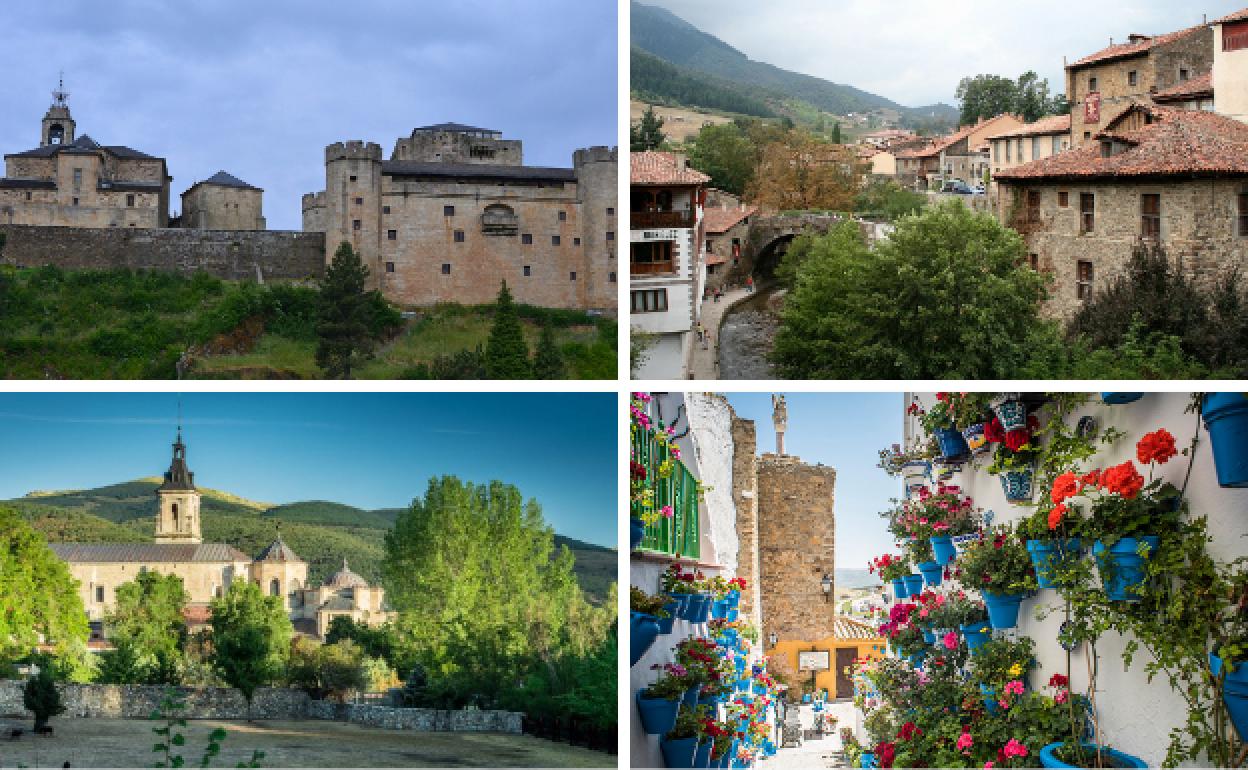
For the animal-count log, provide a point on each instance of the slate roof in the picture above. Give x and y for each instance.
(457, 127)
(1132, 48)
(476, 171)
(1183, 143)
(224, 179)
(1054, 124)
(279, 551)
(345, 578)
(721, 220)
(83, 144)
(93, 553)
(654, 167)
(850, 628)
(1192, 88)
(337, 604)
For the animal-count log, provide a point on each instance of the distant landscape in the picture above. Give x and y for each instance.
(321, 532)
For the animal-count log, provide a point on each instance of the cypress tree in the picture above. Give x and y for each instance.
(345, 311)
(506, 353)
(548, 361)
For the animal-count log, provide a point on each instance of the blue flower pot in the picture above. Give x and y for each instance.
(916, 659)
(691, 696)
(899, 588)
(976, 634)
(942, 549)
(643, 629)
(952, 445)
(1113, 758)
(1002, 609)
(760, 688)
(1012, 414)
(929, 637)
(702, 756)
(990, 699)
(733, 599)
(672, 608)
(718, 609)
(1226, 419)
(1234, 693)
(658, 715)
(1048, 555)
(1016, 485)
(914, 584)
(682, 604)
(678, 753)
(933, 573)
(703, 611)
(1121, 398)
(1122, 567)
(709, 700)
(731, 614)
(636, 532)
(867, 759)
(740, 663)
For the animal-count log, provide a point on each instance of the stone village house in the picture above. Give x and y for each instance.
(727, 234)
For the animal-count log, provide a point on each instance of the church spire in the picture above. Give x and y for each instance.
(178, 518)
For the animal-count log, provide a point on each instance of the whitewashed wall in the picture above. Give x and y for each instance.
(1135, 716)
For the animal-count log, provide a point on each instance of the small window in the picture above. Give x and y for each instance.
(130, 200)
(649, 301)
(563, 216)
(1150, 215)
(1092, 84)
(1057, 144)
(99, 594)
(1063, 199)
(389, 267)
(355, 224)
(446, 268)
(1083, 280)
(392, 235)
(28, 196)
(77, 177)
(1132, 78)
(1182, 75)
(1087, 212)
(359, 201)
(572, 276)
(611, 278)
(528, 271)
(352, 177)
(576, 241)
(275, 587)
(75, 201)
(710, 245)
(1033, 205)
(448, 211)
(1087, 134)
(385, 209)
(610, 236)
(526, 239)
(610, 211)
(1243, 213)
(1009, 154)
(554, 240)
(459, 236)
(1034, 261)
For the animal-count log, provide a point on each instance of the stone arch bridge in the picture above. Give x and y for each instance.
(770, 237)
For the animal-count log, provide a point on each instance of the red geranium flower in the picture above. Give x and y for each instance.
(1017, 438)
(1123, 479)
(1064, 486)
(1156, 447)
(993, 432)
(1055, 515)
(1058, 680)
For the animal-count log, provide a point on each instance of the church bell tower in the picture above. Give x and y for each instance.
(58, 125)
(178, 519)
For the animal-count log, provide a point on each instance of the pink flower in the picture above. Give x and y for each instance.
(1014, 749)
(923, 612)
(1003, 703)
(1014, 688)
(989, 765)
(666, 511)
(1061, 696)
(951, 641)
(965, 741)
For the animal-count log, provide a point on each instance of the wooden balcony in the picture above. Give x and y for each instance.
(642, 219)
(652, 268)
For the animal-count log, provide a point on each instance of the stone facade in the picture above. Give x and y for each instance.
(424, 720)
(745, 495)
(796, 546)
(453, 214)
(1199, 229)
(269, 255)
(223, 202)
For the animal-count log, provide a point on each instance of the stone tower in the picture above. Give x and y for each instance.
(597, 192)
(178, 519)
(779, 416)
(353, 203)
(279, 571)
(58, 126)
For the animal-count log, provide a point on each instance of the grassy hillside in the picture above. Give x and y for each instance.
(665, 35)
(321, 532)
(654, 80)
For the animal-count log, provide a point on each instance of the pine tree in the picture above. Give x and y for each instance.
(648, 133)
(506, 353)
(345, 310)
(836, 133)
(548, 361)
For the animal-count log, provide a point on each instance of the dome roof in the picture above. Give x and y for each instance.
(345, 578)
(278, 551)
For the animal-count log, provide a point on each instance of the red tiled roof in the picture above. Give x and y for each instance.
(653, 167)
(1054, 124)
(1237, 16)
(1201, 85)
(197, 614)
(721, 220)
(1132, 48)
(1176, 143)
(851, 628)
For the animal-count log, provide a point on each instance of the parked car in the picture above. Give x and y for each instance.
(957, 187)
(978, 189)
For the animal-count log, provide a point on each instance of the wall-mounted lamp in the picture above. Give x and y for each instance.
(773, 638)
(826, 583)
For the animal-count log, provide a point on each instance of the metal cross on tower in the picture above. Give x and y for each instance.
(60, 97)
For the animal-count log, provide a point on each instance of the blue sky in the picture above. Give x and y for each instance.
(843, 430)
(259, 88)
(915, 52)
(369, 450)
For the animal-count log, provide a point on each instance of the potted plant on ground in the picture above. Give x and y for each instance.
(658, 703)
(998, 566)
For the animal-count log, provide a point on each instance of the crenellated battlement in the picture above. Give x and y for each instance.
(354, 149)
(595, 155)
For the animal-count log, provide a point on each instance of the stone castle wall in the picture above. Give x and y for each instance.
(796, 546)
(270, 255)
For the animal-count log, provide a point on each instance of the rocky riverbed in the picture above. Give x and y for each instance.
(747, 335)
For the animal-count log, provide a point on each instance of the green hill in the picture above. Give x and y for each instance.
(667, 36)
(654, 80)
(321, 532)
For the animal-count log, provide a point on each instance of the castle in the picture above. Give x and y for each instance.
(208, 569)
(454, 212)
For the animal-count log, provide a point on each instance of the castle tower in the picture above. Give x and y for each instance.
(353, 203)
(58, 126)
(178, 519)
(597, 170)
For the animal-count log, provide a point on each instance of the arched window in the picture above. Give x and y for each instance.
(56, 133)
(175, 516)
(499, 219)
(275, 587)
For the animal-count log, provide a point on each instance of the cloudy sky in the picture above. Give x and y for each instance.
(915, 52)
(370, 450)
(259, 88)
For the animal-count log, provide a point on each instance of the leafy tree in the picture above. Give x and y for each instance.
(726, 154)
(341, 669)
(887, 199)
(250, 637)
(506, 352)
(648, 133)
(986, 96)
(147, 618)
(801, 172)
(547, 360)
(121, 665)
(343, 328)
(946, 296)
(41, 600)
(40, 695)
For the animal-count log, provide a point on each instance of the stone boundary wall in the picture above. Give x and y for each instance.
(112, 701)
(234, 255)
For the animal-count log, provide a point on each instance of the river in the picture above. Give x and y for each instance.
(747, 335)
